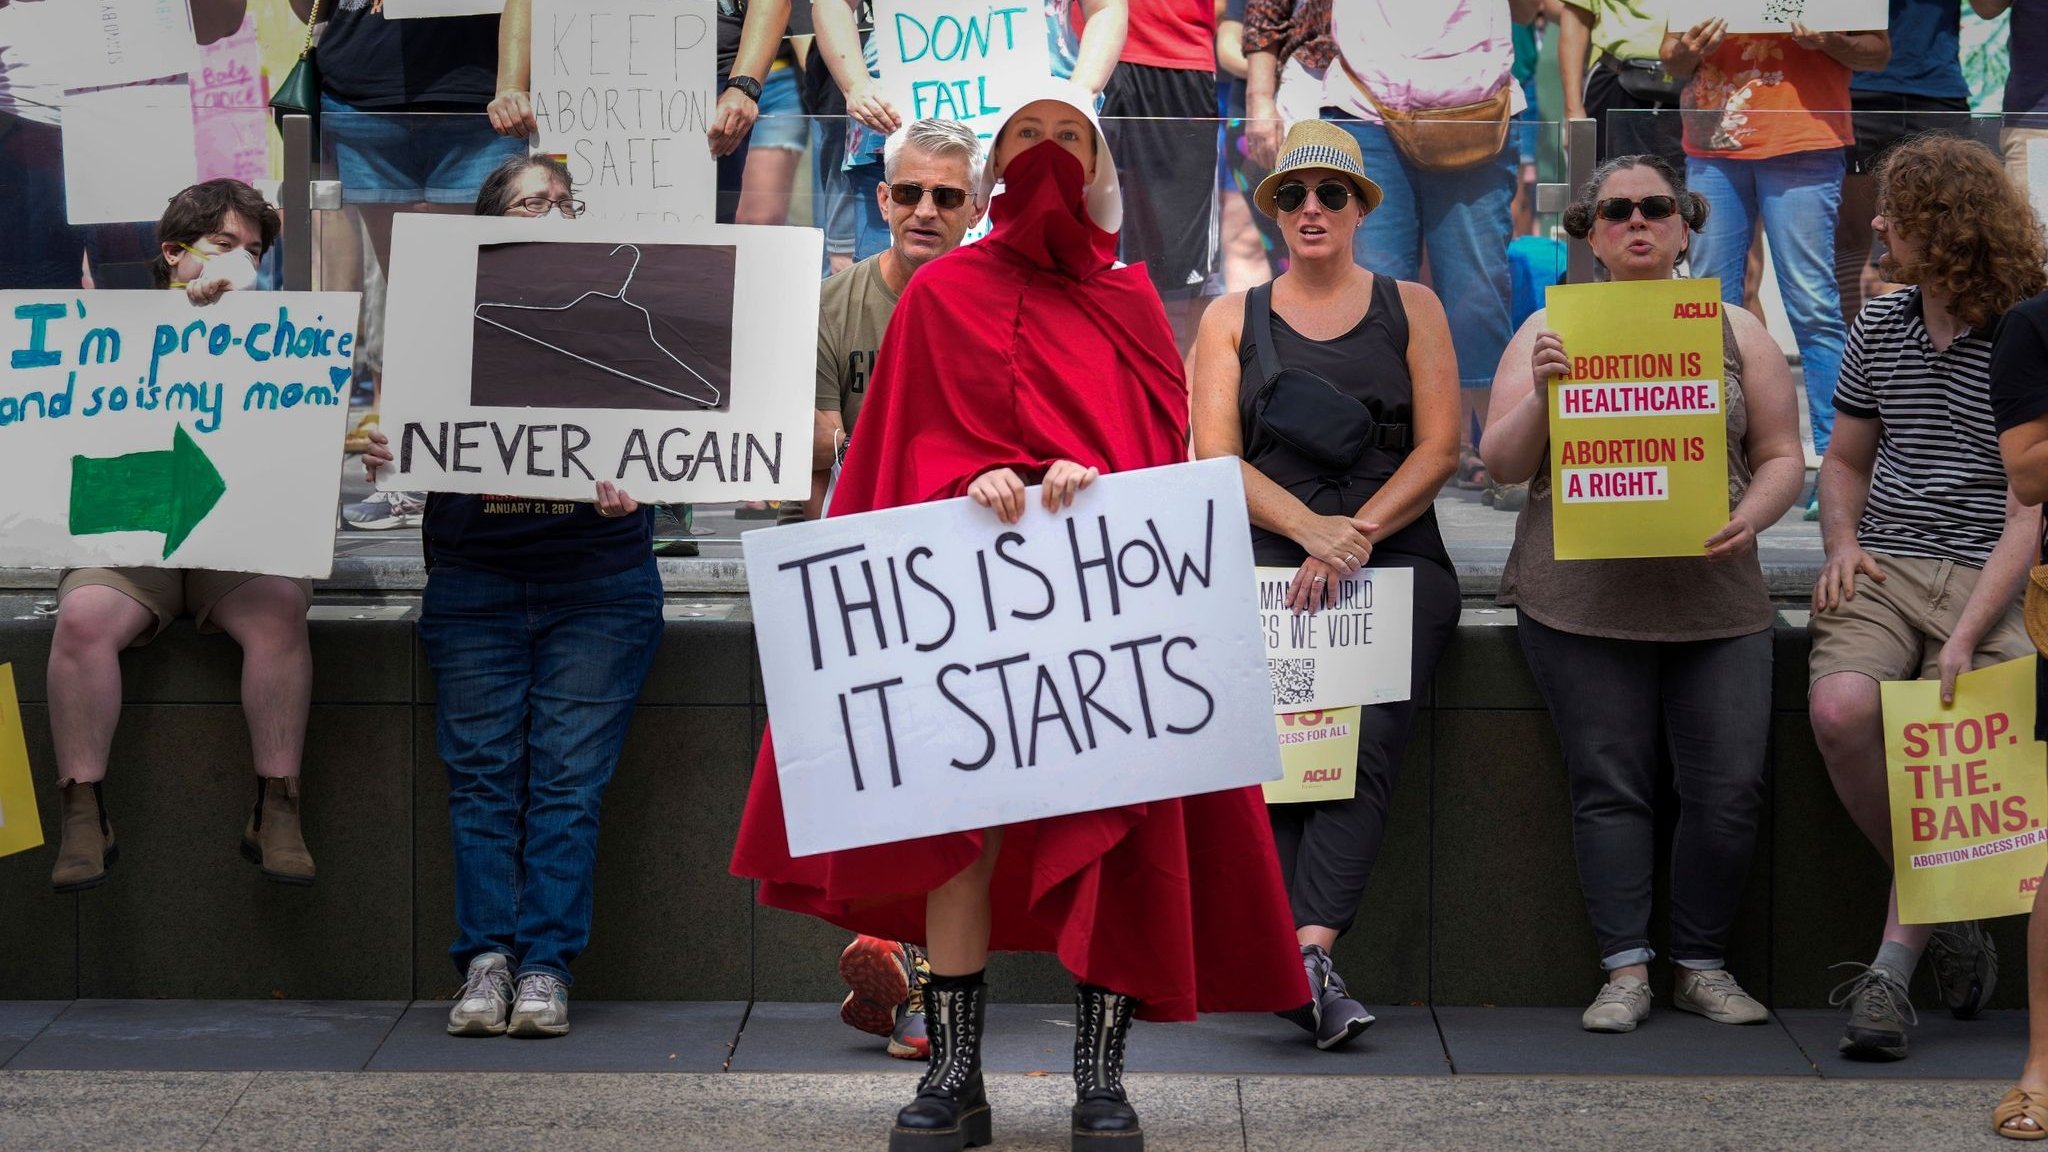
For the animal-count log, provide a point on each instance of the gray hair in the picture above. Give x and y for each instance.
(940, 138)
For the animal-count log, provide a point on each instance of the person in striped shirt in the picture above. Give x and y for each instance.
(1926, 548)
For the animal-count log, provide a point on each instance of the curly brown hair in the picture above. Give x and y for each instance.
(1979, 239)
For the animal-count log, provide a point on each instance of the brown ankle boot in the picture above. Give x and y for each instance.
(87, 847)
(272, 840)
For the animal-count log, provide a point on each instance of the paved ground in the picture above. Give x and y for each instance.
(317, 1075)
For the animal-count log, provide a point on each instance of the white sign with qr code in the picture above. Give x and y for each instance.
(1357, 652)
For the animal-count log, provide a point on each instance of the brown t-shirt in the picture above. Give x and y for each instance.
(854, 307)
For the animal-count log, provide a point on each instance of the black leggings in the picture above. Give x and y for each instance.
(1327, 848)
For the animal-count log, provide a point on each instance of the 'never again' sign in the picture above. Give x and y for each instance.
(934, 670)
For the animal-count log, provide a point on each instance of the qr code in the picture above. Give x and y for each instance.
(1783, 11)
(1294, 681)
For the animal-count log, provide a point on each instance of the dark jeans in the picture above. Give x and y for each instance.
(1327, 848)
(1614, 703)
(732, 170)
(534, 686)
(45, 250)
(1627, 126)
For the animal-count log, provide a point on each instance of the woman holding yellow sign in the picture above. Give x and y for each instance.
(1634, 653)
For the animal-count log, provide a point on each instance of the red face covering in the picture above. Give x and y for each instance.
(1042, 215)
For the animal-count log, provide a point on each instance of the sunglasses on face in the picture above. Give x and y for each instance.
(944, 198)
(1334, 195)
(1620, 208)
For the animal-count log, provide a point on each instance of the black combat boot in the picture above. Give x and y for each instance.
(951, 1109)
(1103, 1118)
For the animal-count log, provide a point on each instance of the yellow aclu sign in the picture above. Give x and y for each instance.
(1639, 429)
(21, 828)
(1318, 754)
(1969, 789)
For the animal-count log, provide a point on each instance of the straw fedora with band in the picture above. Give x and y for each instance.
(1318, 144)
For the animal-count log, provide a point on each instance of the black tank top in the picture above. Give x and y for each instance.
(1368, 363)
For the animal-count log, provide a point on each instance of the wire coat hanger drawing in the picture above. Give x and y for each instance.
(716, 395)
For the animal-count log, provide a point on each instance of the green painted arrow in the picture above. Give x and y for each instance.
(168, 492)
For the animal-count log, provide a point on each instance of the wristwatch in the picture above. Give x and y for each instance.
(746, 84)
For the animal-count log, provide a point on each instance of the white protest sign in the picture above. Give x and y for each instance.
(1357, 652)
(965, 62)
(139, 430)
(126, 41)
(930, 669)
(624, 90)
(419, 9)
(1776, 16)
(534, 358)
(127, 151)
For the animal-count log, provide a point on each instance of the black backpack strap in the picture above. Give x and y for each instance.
(1258, 315)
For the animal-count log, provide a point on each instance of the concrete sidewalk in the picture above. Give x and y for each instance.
(169, 1074)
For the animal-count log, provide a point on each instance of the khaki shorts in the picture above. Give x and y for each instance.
(167, 592)
(1895, 630)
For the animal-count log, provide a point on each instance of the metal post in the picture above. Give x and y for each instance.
(297, 208)
(1581, 151)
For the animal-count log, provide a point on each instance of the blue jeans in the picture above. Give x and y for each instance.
(873, 234)
(534, 686)
(1462, 220)
(412, 158)
(1798, 197)
(834, 209)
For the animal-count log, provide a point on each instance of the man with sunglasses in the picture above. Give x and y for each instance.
(928, 170)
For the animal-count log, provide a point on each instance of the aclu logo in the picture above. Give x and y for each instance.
(1696, 311)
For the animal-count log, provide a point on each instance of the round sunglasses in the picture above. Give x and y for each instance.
(944, 197)
(1620, 208)
(1333, 194)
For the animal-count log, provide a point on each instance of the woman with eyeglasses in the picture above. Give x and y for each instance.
(1367, 360)
(1637, 657)
(540, 619)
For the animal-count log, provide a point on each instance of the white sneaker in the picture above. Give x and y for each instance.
(485, 1000)
(1713, 993)
(541, 1008)
(1621, 1005)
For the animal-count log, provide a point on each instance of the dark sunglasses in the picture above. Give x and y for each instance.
(1334, 194)
(1620, 208)
(911, 195)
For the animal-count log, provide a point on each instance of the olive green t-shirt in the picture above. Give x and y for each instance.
(854, 307)
(1628, 29)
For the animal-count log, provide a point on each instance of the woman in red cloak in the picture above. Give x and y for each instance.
(1032, 357)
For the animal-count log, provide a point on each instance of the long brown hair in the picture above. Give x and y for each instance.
(1979, 239)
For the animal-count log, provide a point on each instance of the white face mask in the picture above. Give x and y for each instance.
(236, 266)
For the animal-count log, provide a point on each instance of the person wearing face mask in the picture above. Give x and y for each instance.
(1031, 357)
(540, 620)
(1385, 346)
(209, 240)
(1634, 656)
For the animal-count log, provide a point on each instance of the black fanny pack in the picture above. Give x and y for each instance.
(1308, 413)
(1645, 78)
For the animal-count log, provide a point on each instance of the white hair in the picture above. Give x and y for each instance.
(939, 138)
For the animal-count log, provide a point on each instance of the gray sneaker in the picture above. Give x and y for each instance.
(485, 1000)
(1621, 1005)
(1713, 993)
(1879, 1011)
(541, 1009)
(1965, 966)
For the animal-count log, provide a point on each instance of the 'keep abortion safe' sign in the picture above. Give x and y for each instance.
(139, 430)
(930, 669)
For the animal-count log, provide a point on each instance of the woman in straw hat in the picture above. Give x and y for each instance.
(1032, 357)
(1634, 656)
(1362, 362)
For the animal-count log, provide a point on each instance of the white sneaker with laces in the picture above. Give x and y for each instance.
(1713, 993)
(541, 1009)
(484, 1003)
(1621, 1005)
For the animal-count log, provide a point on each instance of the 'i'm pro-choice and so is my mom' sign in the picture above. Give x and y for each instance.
(934, 670)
